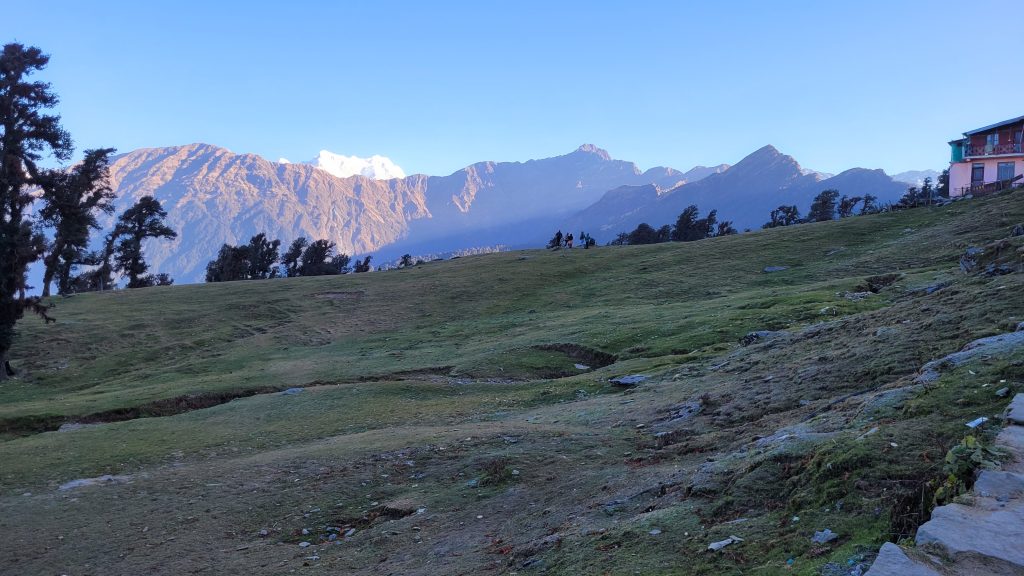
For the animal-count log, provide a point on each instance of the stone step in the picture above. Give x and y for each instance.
(1000, 485)
(893, 561)
(988, 528)
(1011, 439)
(1015, 412)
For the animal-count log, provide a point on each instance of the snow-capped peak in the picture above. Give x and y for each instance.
(376, 167)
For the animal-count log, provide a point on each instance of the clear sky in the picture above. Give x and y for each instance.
(439, 85)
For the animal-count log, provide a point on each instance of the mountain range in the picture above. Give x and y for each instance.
(215, 196)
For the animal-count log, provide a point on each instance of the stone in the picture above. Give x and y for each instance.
(770, 269)
(304, 544)
(1015, 412)
(887, 331)
(999, 484)
(350, 532)
(581, 366)
(82, 482)
(977, 530)
(264, 533)
(1000, 344)
(933, 288)
(824, 536)
(72, 426)
(655, 532)
(631, 380)
(291, 391)
(723, 543)
(1003, 392)
(1011, 439)
(1018, 230)
(892, 561)
(757, 335)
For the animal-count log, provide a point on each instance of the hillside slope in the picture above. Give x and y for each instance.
(443, 426)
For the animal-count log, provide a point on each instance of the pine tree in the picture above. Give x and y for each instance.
(783, 216)
(847, 204)
(71, 200)
(28, 133)
(262, 256)
(685, 228)
(292, 258)
(143, 220)
(823, 208)
(316, 259)
(870, 205)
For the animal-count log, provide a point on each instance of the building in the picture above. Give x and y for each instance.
(987, 159)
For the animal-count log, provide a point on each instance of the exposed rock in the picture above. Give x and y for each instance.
(996, 532)
(824, 536)
(291, 391)
(1018, 230)
(892, 561)
(886, 331)
(631, 380)
(72, 426)
(770, 269)
(892, 398)
(969, 259)
(1015, 411)
(857, 296)
(993, 345)
(723, 543)
(999, 484)
(105, 479)
(681, 413)
(931, 288)
(752, 337)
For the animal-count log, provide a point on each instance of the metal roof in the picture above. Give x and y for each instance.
(996, 125)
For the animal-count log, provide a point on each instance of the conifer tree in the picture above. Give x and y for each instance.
(27, 133)
(72, 200)
(143, 220)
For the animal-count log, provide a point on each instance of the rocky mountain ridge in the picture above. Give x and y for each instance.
(215, 196)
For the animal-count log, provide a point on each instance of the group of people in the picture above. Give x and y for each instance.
(566, 240)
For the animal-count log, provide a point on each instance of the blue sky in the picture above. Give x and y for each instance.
(439, 85)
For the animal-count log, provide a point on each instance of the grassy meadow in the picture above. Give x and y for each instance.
(444, 428)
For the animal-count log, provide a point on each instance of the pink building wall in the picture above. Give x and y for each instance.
(960, 172)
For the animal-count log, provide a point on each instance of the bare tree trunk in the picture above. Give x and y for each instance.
(50, 265)
(5, 367)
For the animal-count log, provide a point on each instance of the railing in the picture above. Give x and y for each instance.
(990, 150)
(982, 188)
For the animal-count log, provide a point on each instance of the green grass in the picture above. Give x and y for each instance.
(422, 380)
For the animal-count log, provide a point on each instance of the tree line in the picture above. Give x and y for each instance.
(69, 201)
(689, 226)
(828, 205)
(261, 259)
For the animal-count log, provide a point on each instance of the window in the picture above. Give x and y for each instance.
(991, 141)
(1005, 171)
(977, 173)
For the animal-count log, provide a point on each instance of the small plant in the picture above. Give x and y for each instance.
(962, 461)
(496, 471)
